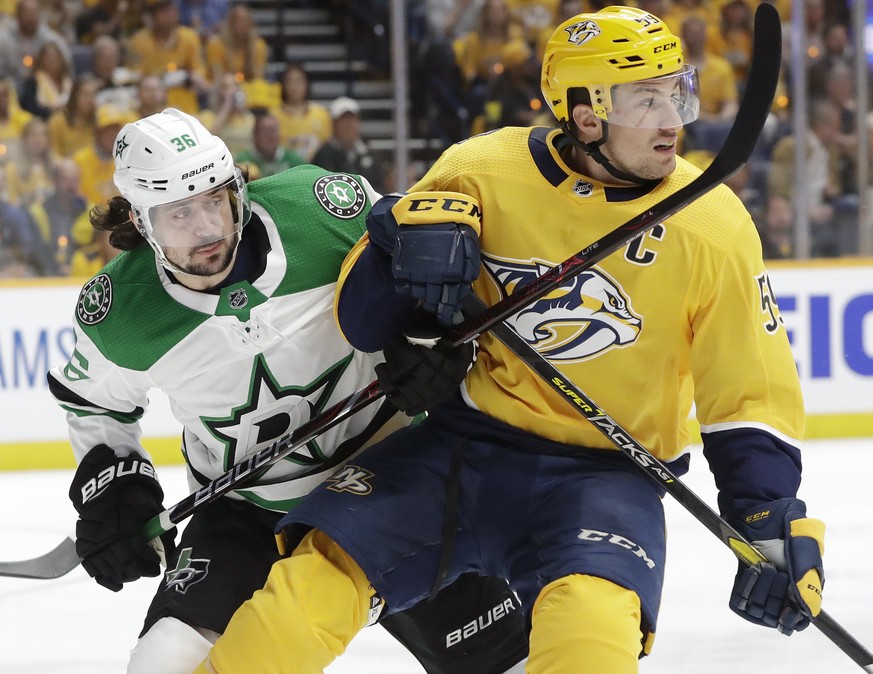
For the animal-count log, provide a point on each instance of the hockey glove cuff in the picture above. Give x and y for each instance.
(418, 376)
(784, 593)
(115, 496)
(433, 239)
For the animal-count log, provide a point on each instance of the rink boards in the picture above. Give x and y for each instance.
(827, 308)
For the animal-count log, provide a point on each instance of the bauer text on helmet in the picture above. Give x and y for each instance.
(630, 64)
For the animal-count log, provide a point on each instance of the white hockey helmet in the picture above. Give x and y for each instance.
(168, 158)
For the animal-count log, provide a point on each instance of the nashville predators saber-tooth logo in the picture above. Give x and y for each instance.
(580, 33)
(586, 316)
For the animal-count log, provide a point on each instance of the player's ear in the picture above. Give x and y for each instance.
(588, 124)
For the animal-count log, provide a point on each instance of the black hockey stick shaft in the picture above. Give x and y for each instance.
(63, 558)
(755, 105)
(657, 470)
(249, 469)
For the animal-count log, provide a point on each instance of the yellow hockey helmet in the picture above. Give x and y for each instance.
(615, 45)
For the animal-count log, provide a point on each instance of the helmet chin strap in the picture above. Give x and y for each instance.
(593, 150)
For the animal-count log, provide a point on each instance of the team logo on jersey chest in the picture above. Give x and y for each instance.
(272, 411)
(589, 314)
(95, 300)
(340, 195)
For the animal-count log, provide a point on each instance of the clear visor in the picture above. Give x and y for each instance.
(201, 219)
(659, 103)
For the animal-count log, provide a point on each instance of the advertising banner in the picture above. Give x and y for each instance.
(827, 308)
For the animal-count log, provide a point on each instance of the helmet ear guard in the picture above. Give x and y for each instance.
(616, 45)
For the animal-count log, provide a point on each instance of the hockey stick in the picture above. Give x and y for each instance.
(654, 468)
(753, 111)
(54, 564)
(63, 558)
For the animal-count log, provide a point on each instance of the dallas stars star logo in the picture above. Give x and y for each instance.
(273, 411)
(121, 145)
(340, 195)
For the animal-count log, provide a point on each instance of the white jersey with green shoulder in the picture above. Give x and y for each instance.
(240, 368)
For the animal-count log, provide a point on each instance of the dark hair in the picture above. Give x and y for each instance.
(114, 217)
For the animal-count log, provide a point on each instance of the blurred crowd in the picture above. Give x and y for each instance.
(73, 73)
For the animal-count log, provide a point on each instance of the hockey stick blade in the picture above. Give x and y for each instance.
(754, 107)
(64, 559)
(54, 564)
(751, 116)
(657, 470)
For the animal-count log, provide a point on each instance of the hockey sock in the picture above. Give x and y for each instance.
(585, 625)
(311, 606)
(170, 647)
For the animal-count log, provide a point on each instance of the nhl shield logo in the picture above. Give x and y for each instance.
(238, 298)
(340, 195)
(95, 300)
(583, 188)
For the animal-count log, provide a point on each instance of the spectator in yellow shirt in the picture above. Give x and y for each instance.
(172, 50)
(228, 115)
(733, 38)
(88, 260)
(72, 127)
(478, 52)
(96, 162)
(303, 125)
(151, 96)
(29, 178)
(12, 120)
(237, 48)
(718, 86)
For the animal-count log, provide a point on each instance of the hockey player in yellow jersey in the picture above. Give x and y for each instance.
(505, 479)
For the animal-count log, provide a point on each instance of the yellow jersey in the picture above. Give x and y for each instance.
(683, 315)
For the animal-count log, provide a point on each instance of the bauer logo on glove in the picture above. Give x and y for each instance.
(124, 468)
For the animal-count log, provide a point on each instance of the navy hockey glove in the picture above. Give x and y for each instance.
(786, 592)
(115, 496)
(433, 240)
(417, 376)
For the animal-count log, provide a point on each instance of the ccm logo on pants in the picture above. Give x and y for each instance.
(615, 539)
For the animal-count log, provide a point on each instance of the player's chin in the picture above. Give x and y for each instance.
(658, 170)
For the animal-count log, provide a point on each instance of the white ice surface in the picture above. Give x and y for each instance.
(72, 626)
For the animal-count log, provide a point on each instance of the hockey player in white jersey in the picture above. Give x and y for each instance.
(229, 311)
